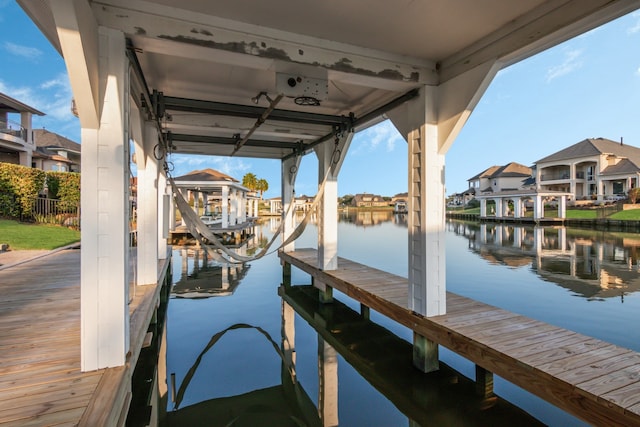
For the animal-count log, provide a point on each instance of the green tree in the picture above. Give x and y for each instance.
(250, 181)
(262, 185)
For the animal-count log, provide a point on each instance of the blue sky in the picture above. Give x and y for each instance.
(586, 87)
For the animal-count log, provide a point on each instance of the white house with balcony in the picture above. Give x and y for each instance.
(512, 176)
(16, 137)
(592, 169)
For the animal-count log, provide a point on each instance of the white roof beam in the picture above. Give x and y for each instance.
(221, 40)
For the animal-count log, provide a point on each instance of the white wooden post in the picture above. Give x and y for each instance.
(562, 207)
(538, 207)
(427, 290)
(167, 218)
(233, 214)
(225, 206)
(499, 207)
(147, 224)
(517, 207)
(105, 216)
(289, 172)
(483, 208)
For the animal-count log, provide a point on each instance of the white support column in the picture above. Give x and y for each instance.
(572, 178)
(289, 172)
(225, 206)
(483, 207)
(330, 159)
(599, 186)
(166, 216)
(426, 207)
(517, 207)
(185, 195)
(105, 215)
(196, 201)
(147, 259)
(328, 210)
(233, 208)
(562, 207)
(538, 207)
(499, 207)
(242, 207)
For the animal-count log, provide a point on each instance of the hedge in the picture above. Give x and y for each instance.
(21, 185)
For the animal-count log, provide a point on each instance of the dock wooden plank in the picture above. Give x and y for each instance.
(567, 369)
(40, 378)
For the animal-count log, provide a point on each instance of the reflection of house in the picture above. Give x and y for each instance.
(595, 167)
(589, 266)
(55, 152)
(366, 200)
(16, 138)
(500, 178)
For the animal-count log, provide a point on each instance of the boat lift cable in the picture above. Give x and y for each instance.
(259, 122)
(201, 231)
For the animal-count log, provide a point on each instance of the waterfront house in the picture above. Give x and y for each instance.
(592, 169)
(16, 138)
(55, 152)
(512, 176)
(365, 200)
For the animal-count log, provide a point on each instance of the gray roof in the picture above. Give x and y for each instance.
(205, 175)
(485, 173)
(11, 105)
(624, 167)
(51, 140)
(594, 147)
(512, 169)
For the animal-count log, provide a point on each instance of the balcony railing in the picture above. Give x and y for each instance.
(14, 129)
(554, 176)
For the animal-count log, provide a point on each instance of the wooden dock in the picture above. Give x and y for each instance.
(40, 378)
(591, 379)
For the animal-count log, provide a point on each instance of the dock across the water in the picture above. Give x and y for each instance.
(594, 380)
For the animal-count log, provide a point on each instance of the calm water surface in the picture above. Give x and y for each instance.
(229, 360)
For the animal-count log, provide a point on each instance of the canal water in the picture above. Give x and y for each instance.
(243, 350)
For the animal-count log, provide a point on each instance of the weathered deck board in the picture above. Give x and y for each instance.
(594, 380)
(40, 378)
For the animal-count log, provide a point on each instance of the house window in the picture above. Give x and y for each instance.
(590, 173)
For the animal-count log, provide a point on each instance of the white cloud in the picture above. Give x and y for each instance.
(572, 61)
(635, 28)
(30, 53)
(184, 163)
(369, 140)
(53, 98)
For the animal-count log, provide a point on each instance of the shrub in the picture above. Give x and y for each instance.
(634, 195)
(21, 184)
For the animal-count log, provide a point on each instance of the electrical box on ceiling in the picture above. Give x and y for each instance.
(295, 85)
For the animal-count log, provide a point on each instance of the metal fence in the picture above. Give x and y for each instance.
(58, 212)
(608, 210)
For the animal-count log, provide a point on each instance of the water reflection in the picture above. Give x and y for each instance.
(368, 218)
(592, 264)
(208, 277)
(384, 360)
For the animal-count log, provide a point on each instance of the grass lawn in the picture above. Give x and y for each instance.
(579, 213)
(21, 236)
(630, 215)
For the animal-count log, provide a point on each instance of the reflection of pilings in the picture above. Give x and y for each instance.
(327, 384)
